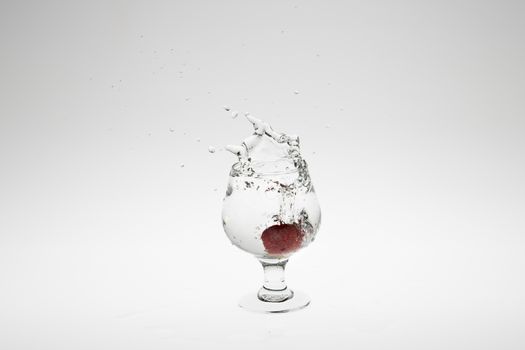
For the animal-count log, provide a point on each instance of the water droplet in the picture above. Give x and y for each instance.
(235, 114)
(327, 126)
(211, 149)
(182, 165)
(198, 140)
(226, 108)
(296, 92)
(172, 130)
(215, 190)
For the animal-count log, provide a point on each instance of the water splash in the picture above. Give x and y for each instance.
(269, 151)
(272, 176)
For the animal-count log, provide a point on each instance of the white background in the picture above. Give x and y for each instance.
(411, 116)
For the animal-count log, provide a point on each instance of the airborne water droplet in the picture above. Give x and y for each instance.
(296, 92)
(226, 108)
(235, 114)
(198, 140)
(182, 165)
(211, 149)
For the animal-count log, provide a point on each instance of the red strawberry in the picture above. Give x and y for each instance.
(282, 239)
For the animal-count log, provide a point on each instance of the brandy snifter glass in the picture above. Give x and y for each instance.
(271, 212)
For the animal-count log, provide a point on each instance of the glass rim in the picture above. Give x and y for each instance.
(260, 164)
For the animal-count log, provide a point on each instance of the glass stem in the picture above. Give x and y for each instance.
(274, 288)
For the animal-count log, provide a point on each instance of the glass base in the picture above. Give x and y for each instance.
(252, 303)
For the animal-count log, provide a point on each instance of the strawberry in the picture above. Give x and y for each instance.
(282, 239)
